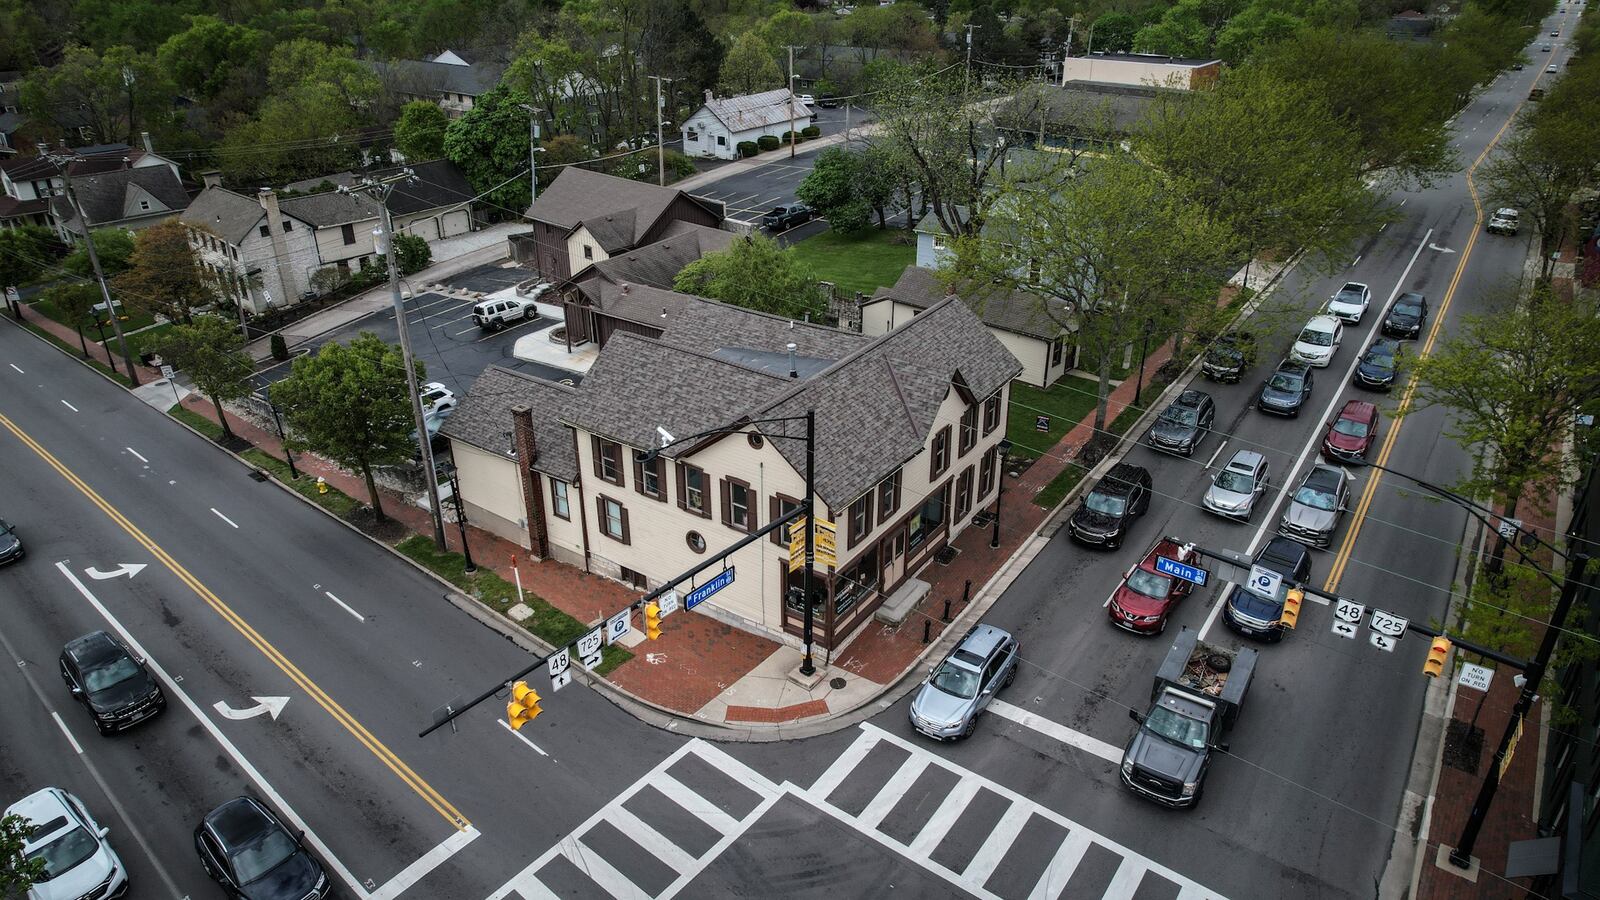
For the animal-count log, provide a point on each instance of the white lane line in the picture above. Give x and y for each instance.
(359, 616)
(1311, 442)
(1108, 752)
(424, 864)
(225, 518)
(1216, 454)
(518, 735)
(14, 366)
(70, 406)
(239, 759)
(1119, 585)
(137, 454)
(76, 747)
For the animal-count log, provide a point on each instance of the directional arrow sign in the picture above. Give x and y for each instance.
(273, 705)
(128, 569)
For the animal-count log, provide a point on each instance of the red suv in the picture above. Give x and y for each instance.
(1145, 597)
(1351, 435)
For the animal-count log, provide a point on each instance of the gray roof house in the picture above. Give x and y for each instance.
(127, 198)
(438, 204)
(619, 288)
(722, 123)
(447, 79)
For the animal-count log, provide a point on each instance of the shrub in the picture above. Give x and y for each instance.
(767, 142)
(748, 148)
(280, 349)
(810, 131)
(784, 138)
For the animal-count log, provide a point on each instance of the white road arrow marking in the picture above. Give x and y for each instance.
(128, 569)
(1437, 248)
(272, 705)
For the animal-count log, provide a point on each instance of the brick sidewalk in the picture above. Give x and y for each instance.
(96, 352)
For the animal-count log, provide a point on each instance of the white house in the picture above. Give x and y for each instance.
(1141, 69)
(722, 123)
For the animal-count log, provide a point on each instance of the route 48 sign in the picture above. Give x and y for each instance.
(1347, 616)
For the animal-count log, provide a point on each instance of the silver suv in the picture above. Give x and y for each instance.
(1314, 510)
(959, 689)
(1234, 491)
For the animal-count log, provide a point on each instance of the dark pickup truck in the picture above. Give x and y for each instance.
(783, 218)
(1198, 692)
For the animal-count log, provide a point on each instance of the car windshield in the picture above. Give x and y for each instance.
(1348, 296)
(1283, 381)
(263, 856)
(1235, 481)
(66, 851)
(1148, 583)
(1380, 356)
(1351, 427)
(116, 672)
(1408, 309)
(1316, 338)
(1180, 415)
(1316, 498)
(1106, 504)
(1178, 729)
(957, 680)
(1228, 352)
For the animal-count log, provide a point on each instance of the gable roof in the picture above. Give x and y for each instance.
(724, 329)
(444, 77)
(752, 111)
(1015, 311)
(331, 208)
(656, 265)
(440, 182)
(104, 197)
(483, 419)
(613, 208)
(639, 303)
(228, 215)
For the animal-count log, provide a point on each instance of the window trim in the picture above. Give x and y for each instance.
(346, 231)
(727, 504)
(991, 405)
(892, 506)
(560, 496)
(704, 511)
(939, 454)
(659, 470)
(775, 511)
(860, 532)
(599, 446)
(969, 430)
(600, 501)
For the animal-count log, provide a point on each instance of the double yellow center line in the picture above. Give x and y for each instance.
(359, 731)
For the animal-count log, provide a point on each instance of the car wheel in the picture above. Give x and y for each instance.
(972, 725)
(1010, 677)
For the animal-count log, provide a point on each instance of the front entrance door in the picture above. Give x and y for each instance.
(893, 553)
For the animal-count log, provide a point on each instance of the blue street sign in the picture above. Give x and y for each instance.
(722, 580)
(1181, 570)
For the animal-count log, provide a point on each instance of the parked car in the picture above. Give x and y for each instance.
(1504, 221)
(1317, 505)
(1351, 434)
(1229, 356)
(1407, 317)
(1545, 49)
(436, 398)
(433, 422)
(1379, 366)
(783, 218)
(1183, 424)
(1286, 390)
(1350, 302)
(1146, 598)
(1536, 94)
(248, 852)
(828, 102)
(493, 315)
(957, 690)
(1106, 513)
(110, 682)
(1551, 68)
(807, 99)
(1256, 615)
(78, 861)
(1318, 341)
(1233, 492)
(10, 543)
(1516, 67)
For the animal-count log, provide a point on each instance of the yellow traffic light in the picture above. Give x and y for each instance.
(652, 620)
(524, 706)
(1433, 666)
(1291, 607)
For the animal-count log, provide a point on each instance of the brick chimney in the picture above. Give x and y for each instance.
(527, 450)
(709, 95)
(288, 292)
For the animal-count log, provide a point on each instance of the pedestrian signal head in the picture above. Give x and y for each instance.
(1291, 607)
(524, 706)
(652, 620)
(1433, 666)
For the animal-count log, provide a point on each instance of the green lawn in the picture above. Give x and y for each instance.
(335, 501)
(130, 320)
(1062, 485)
(196, 421)
(862, 262)
(1066, 403)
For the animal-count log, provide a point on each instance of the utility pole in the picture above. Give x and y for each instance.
(533, 149)
(661, 149)
(967, 88)
(65, 160)
(133, 122)
(791, 102)
(380, 191)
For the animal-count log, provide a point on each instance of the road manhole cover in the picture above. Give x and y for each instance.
(836, 683)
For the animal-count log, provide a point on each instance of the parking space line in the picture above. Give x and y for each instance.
(345, 606)
(1214, 456)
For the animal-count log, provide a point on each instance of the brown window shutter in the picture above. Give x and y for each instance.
(683, 503)
(727, 505)
(627, 536)
(773, 512)
(600, 513)
(897, 490)
(638, 475)
(594, 443)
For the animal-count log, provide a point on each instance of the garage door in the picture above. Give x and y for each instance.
(457, 222)
(426, 229)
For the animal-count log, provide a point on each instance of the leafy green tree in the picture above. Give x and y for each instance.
(142, 24)
(490, 144)
(882, 174)
(163, 276)
(24, 35)
(210, 350)
(349, 404)
(114, 248)
(412, 253)
(211, 57)
(17, 871)
(118, 91)
(750, 67)
(1551, 156)
(312, 123)
(755, 273)
(1113, 32)
(26, 253)
(419, 132)
(786, 27)
(832, 188)
(76, 301)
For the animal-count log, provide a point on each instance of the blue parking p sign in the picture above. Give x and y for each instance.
(1181, 570)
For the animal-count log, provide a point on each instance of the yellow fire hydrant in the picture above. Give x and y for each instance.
(322, 485)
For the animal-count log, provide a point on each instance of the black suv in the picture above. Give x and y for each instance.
(1229, 356)
(1108, 511)
(1183, 424)
(10, 543)
(1286, 391)
(1407, 317)
(1253, 615)
(111, 682)
(246, 850)
(783, 218)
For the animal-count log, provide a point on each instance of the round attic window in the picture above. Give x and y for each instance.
(696, 542)
(756, 440)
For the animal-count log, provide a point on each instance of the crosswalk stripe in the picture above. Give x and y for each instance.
(741, 773)
(703, 809)
(845, 764)
(1108, 752)
(1059, 872)
(653, 841)
(932, 834)
(1123, 885)
(996, 844)
(892, 791)
(603, 873)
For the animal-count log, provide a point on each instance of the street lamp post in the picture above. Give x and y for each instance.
(1144, 353)
(288, 455)
(1003, 447)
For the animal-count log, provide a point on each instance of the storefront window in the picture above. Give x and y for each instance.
(856, 583)
(926, 520)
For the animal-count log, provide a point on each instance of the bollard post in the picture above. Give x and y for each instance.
(927, 631)
(966, 592)
(946, 616)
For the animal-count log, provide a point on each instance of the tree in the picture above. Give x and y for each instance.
(832, 188)
(210, 351)
(1513, 379)
(755, 273)
(26, 253)
(490, 144)
(321, 101)
(212, 57)
(113, 246)
(18, 872)
(76, 301)
(750, 67)
(350, 404)
(419, 132)
(1548, 158)
(118, 92)
(1114, 32)
(164, 277)
(411, 253)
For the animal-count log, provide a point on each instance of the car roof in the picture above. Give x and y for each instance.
(43, 807)
(1294, 368)
(239, 821)
(1359, 409)
(1191, 398)
(1323, 476)
(1353, 286)
(94, 648)
(1282, 549)
(1388, 345)
(1121, 478)
(980, 642)
(1246, 461)
(1321, 323)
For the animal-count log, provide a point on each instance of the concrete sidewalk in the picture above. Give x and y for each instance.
(740, 166)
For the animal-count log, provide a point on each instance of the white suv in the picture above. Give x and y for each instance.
(1318, 341)
(497, 314)
(1350, 302)
(436, 399)
(77, 860)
